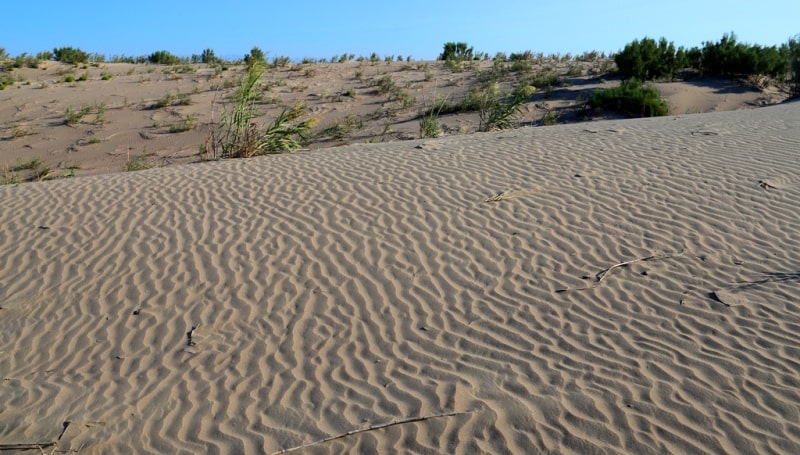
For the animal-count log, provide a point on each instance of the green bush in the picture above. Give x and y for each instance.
(163, 58)
(728, 57)
(457, 51)
(792, 50)
(70, 55)
(208, 56)
(631, 98)
(256, 56)
(651, 60)
(648, 60)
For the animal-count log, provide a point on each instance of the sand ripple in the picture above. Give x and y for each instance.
(255, 306)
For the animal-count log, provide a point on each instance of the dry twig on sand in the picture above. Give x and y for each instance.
(373, 427)
(27, 446)
(604, 273)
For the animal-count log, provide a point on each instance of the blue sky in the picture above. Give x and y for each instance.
(419, 28)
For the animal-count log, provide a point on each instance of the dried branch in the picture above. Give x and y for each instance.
(374, 427)
(604, 273)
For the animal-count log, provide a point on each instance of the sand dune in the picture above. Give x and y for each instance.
(254, 306)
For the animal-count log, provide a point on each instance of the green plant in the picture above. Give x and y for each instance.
(574, 71)
(187, 124)
(9, 176)
(497, 113)
(632, 98)
(75, 116)
(549, 118)
(208, 56)
(69, 78)
(429, 120)
(84, 77)
(238, 136)
(792, 50)
(386, 85)
(456, 51)
(106, 76)
(6, 80)
(648, 60)
(137, 163)
(169, 99)
(281, 61)
(31, 164)
(337, 131)
(70, 55)
(163, 58)
(255, 57)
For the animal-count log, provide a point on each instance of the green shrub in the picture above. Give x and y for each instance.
(728, 57)
(255, 57)
(208, 56)
(281, 61)
(792, 51)
(631, 98)
(456, 51)
(70, 55)
(163, 58)
(6, 80)
(648, 60)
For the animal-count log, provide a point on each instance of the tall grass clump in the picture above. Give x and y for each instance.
(632, 98)
(496, 111)
(237, 135)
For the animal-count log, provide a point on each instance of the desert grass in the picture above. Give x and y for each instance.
(237, 135)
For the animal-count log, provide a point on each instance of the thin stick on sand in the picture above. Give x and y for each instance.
(374, 427)
(604, 273)
(26, 446)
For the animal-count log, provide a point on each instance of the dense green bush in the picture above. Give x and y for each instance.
(208, 56)
(727, 57)
(70, 55)
(792, 50)
(255, 56)
(457, 51)
(163, 58)
(648, 60)
(631, 98)
(651, 60)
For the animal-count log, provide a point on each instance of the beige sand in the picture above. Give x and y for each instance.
(253, 306)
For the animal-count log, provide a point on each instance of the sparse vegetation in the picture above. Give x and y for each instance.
(186, 124)
(170, 99)
(33, 169)
(138, 163)
(75, 116)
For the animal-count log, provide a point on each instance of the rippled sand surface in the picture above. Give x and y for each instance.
(614, 287)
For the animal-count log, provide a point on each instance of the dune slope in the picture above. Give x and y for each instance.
(615, 287)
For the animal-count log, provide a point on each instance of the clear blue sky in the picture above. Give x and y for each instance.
(323, 28)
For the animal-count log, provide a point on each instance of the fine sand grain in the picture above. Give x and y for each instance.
(627, 286)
